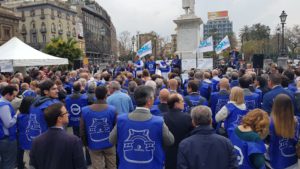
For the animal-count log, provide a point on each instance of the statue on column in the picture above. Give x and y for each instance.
(188, 6)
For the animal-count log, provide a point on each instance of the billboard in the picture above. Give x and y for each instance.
(217, 15)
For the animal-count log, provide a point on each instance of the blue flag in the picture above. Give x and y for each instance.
(145, 50)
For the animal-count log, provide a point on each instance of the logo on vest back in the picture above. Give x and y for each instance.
(250, 104)
(75, 109)
(138, 147)
(239, 154)
(33, 128)
(98, 129)
(287, 148)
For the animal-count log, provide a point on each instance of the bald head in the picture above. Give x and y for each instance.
(164, 95)
(224, 84)
(215, 72)
(173, 84)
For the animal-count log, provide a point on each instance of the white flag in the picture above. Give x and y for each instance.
(207, 45)
(224, 44)
(145, 49)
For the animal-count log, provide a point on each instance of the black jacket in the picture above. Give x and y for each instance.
(206, 150)
(180, 124)
(55, 149)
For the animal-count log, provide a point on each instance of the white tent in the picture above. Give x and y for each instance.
(21, 55)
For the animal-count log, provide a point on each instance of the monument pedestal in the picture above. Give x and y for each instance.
(188, 36)
(282, 62)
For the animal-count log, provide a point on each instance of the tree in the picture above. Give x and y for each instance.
(255, 39)
(293, 39)
(125, 43)
(64, 49)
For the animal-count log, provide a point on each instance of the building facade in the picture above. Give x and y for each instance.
(218, 26)
(96, 31)
(145, 37)
(42, 21)
(9, 24)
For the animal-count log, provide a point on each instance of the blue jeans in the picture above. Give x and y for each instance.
(8, 153)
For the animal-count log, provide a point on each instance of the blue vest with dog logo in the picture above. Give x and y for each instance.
(282, 151)
(98, 126)
(140, 143)
(234, 117)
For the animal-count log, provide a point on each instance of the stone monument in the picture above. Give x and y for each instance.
(188, 31)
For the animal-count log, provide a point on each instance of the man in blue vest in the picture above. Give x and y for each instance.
(164, 67)
(151, 65)
(252, 100)
(194, 98)
(138, 65)
(215, 80)
(219, 99)
(36, 123)
(140, 136)
(205, 85)
(274, 84)
(234, 79)
(176, 63)
(74, 104)
(8, 119)
(96, 123)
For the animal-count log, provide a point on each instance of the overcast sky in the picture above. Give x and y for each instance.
(158, 15)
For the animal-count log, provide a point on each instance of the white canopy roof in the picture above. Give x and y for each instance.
(22, 55)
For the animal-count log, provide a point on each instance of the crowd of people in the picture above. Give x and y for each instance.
(147, 116)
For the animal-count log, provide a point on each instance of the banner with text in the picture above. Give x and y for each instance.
(224, 44)
(145, 50)
(206, 46)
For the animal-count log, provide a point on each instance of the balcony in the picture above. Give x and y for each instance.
(43, 30)
(43, 16)
(60, 31)
(33, 31)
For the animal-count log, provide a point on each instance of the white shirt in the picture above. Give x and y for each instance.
(223, 112)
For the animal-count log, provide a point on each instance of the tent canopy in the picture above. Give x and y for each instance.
(23, 55)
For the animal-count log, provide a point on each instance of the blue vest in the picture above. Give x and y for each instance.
(29, 93)
(214, 84)
(205, 89)
(193, 101)
(138, 62)
(151, 66)
(234, 117)
(252, 101)
(175, 63)
(282, 151)
(68, 87)
(217, 101)
(98, 126)
(13, 129)
(22, 123)
(292, 87)
(244, 149)
(74, 107)
(155, 110)
(36, 123)
(140, 143)
(185, 85)
(166, 69)
(234, 83)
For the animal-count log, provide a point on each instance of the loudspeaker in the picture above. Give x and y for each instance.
(258, 61)
(77, 64)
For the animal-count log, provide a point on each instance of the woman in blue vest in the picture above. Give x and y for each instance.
(233, 111)
(284, 134)
(22, 122)
(247, 139)
(96, 123)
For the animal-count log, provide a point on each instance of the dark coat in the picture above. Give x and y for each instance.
(55, 149)
(206, 150)
(270, 96)
(179, 124)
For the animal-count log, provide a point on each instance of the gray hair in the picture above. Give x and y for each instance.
(115, 85)
(151, 83)
(198, 75)
(159, 83)
(92, 87)
(201, 115)
(132, 86)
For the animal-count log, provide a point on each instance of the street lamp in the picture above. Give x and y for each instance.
(278, 39)
(283, 17)
(133, 41)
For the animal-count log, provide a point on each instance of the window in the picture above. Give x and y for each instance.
(32, 24)
(43, 28)
(32, 13)
(44, 37)
(23, 30)
(53, 28)
(24, 38)
(42, 14)
(33, 38)
(52, 14)
(7, 32)
(23, 16)
(59, 14)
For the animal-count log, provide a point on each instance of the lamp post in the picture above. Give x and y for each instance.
(132, 50)
(283, 17)
(278, 40)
